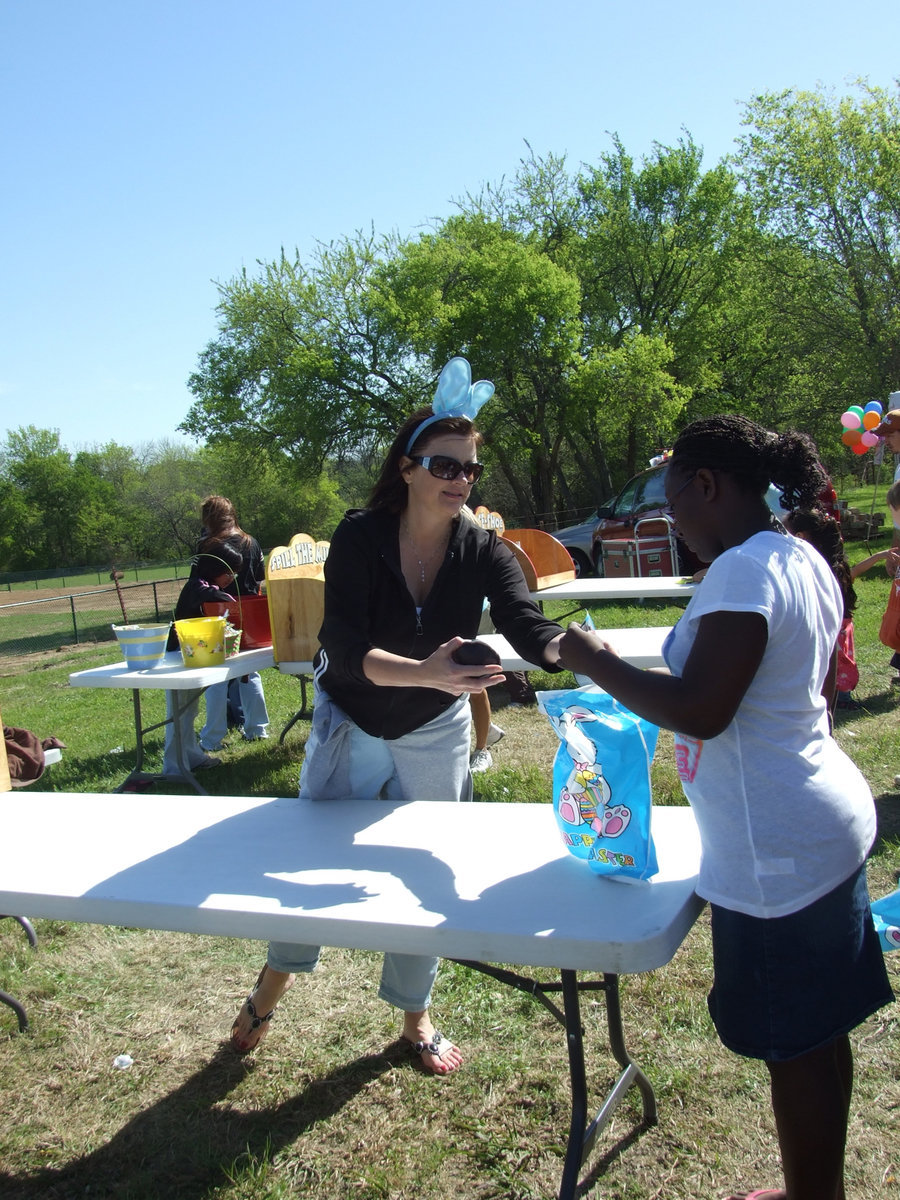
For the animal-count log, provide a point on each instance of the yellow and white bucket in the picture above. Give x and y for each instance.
(202, 641)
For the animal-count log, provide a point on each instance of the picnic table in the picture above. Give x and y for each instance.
(646, 587)
(498, 887)
(171, 676)
(642, 647)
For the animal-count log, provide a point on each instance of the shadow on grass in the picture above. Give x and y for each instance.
(887, 809)
(182, 1146)
(879, 704)
(608, 1158)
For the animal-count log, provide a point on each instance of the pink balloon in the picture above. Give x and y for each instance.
(851, 420)
(869, 439)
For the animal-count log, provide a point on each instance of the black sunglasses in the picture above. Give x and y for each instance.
(669, 509)
(443, 467)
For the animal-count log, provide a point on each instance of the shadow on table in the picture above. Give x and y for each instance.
(181, 1146)
(252, 854)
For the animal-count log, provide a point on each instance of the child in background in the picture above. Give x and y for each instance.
(891, 560)
(815, 526)
(212, 570)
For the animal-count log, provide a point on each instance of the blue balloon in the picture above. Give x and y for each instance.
(874, 406)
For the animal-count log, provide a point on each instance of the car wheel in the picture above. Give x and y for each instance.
(598, 564)
(580, 562)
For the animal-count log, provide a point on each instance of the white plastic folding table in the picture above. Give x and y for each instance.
(170, 676)
(497, 887)
(642, 647)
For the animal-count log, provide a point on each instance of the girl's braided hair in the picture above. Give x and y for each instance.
(754, 457)
(823, 532)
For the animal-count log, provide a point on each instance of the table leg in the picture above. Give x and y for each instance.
(582, 1133)
(21, 1015)
(137, 772)
(298, 716)
(5, 997)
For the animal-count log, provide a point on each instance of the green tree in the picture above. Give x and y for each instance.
(477, 289)
(270, 500)
(40, 470)
(823, 173)
(304, 362)
(659, 256)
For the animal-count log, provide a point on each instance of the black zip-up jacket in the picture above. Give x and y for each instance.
(368, 605)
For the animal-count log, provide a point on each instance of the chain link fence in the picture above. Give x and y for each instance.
(79, 579)
(50, 622)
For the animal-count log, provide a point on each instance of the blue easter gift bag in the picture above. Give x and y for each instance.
(886, 915)
(601, 781)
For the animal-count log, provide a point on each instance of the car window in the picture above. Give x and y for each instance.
(625, 500)
(652, 492)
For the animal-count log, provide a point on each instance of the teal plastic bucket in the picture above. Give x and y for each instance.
(144, 646)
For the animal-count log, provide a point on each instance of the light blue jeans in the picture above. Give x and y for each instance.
(431, 763)
(187, 702)
(253, 702)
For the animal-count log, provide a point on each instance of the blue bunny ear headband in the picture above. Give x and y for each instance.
(455, 396)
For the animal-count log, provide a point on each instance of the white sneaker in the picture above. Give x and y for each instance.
(495, 733)
(481, 760)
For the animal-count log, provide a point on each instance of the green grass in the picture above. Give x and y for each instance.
(332, 1107)
(77, 580)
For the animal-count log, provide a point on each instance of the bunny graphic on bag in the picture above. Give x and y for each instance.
(601, 781)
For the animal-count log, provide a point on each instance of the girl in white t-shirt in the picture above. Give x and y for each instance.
(786, 820)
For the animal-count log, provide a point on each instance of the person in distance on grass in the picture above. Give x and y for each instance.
(785, 818)
(220, 522)
(821, 530)
(405, 581)
(212, 570)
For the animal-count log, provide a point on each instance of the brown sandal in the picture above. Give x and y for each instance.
(259, 1026)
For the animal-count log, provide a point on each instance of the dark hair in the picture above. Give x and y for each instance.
(214, 557)
(815, 526)
(893, 496)
(754, 457)
(219, 518)
(390, 493)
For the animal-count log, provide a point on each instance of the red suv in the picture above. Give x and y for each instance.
(644, 496)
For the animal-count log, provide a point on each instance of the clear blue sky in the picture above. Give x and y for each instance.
(151, 147)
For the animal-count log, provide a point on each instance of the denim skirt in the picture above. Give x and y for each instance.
(784, 986)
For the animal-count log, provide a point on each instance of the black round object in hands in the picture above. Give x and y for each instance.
(475, 654)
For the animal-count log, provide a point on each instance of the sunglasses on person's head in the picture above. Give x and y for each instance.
(441, 466)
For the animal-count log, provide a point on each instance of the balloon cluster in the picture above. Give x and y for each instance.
(858, 424)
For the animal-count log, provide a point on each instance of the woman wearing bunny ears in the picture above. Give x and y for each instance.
(405, 581)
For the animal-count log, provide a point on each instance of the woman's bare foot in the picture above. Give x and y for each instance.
(252, 1023)
(437, 1053)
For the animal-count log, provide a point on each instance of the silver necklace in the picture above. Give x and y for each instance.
(424, 563)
